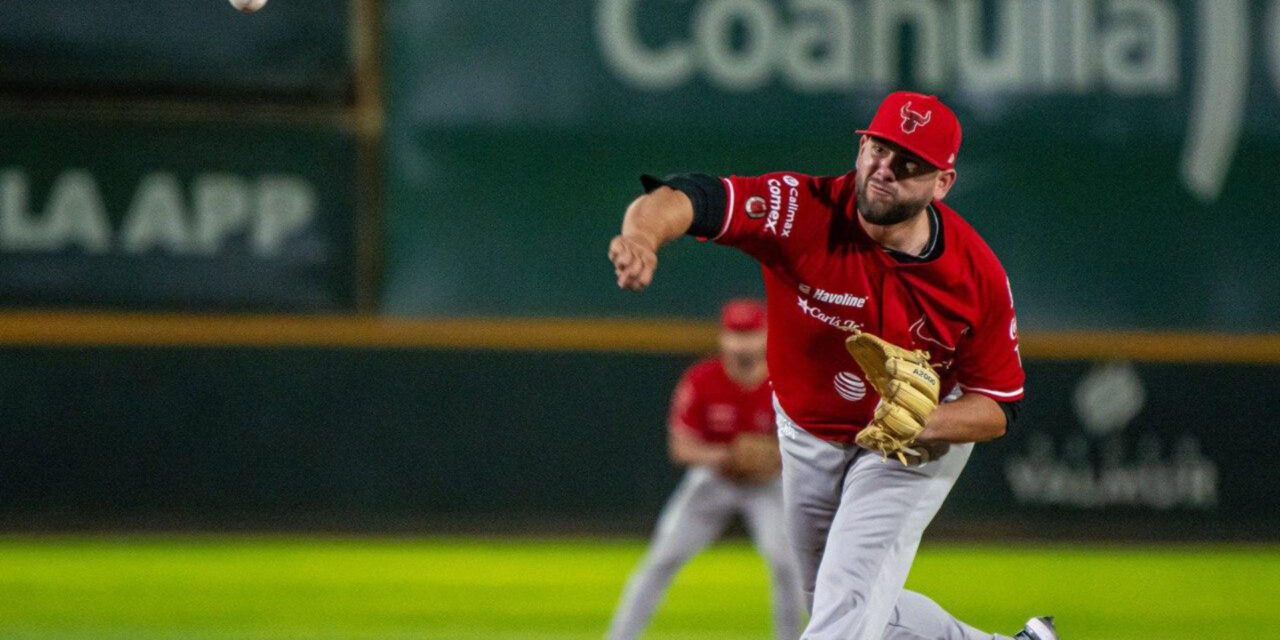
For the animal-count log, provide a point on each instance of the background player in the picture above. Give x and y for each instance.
(719, 404)
(873, 250)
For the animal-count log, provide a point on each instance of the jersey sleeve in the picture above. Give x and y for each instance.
(766, 216)
(706, 193)
(991, 364)
(686, 408)
(759, 215)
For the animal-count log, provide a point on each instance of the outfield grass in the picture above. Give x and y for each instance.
(251, 588)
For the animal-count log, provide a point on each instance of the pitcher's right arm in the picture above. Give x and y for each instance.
(652, 220)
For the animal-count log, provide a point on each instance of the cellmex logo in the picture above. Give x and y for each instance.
(1124, 48)
(775, 204)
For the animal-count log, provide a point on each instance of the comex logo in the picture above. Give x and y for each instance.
(774, 204)
(911, 120)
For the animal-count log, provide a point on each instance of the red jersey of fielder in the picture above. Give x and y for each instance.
(715, 408)
(824, 277)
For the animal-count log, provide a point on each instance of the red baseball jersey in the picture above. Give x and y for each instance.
(824, 277)
(715, 408)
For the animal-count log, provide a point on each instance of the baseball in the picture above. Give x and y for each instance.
(248, 6)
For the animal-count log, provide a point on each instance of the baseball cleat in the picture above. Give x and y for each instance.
(1038, 629)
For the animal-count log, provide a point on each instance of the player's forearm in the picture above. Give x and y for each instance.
(971, 418)
(712, 457)
(658, 217)
(687, 449)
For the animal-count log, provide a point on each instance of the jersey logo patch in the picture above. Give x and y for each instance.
(911, 120)
(917, 329)
(843, 324)
(944, 356)
(850, 387)
(842, 299)
(755, 207)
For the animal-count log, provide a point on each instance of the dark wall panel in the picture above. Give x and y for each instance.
(360, 439)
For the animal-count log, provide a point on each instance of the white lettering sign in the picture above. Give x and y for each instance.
(163, 214)
(1124, 47)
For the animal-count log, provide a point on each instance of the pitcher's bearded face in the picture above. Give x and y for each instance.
(879, 204)
(892, 184)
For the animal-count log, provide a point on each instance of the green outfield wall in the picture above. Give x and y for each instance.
(184, 156)
(403, 437)
(1118, 154)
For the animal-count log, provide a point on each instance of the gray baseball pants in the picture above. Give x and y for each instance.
(696, 515)
(856, 522)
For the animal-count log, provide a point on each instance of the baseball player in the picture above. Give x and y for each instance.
(720, 427)
(869, 257)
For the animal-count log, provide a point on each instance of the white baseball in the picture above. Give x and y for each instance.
(248, 6)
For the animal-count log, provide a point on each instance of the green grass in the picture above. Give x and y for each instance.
(267, 588)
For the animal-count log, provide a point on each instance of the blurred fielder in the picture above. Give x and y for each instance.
(872, 263)
(721, 427)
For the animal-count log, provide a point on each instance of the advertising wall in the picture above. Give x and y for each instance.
(431, 440)
(150, 215)
(179, 156)
(1117, 155)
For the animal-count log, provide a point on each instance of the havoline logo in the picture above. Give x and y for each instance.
(1127, 48)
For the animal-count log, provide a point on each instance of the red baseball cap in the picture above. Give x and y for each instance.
(920, 124)
(743, 314)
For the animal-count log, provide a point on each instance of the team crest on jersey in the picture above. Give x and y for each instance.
(917, 329)
(943, 354)
(755, 207)
(912, 120)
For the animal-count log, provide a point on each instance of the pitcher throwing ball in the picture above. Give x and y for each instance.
(882, 302)
(721, 427)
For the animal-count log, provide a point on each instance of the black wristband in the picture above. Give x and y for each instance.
(707, 194)
(1010, 410)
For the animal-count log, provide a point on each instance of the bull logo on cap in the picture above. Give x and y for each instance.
(913, 119)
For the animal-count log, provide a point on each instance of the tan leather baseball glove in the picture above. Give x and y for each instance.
(753, 458)
(908, 388)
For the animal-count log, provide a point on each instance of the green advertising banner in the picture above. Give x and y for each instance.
(145, 215)
(1118, 154)
(298, 48)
